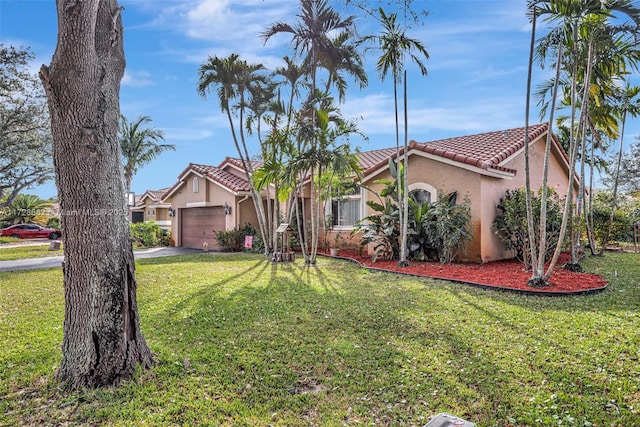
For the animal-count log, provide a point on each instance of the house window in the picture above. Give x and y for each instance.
(346, 211)
(421, 196)
(422, 192)
(196, 185)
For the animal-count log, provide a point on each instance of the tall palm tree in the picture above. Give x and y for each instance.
(320, 37)
(233, 78)
(629, 105)
(395, 46)
(571, 14)
(527, 166)
(139, 145)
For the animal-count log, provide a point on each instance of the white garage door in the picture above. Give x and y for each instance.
(197, 225)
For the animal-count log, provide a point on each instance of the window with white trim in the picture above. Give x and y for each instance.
(196, 185)
(346, 210)
(423, 192)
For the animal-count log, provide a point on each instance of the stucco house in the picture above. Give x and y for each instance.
(150, 206)
(481, 167)
(208, 198)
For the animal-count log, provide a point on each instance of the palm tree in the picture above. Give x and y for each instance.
(527, 167)
(233, 79)
(572, 14)
(395, 46)
(320, 37)
(26, 208)
(139, 145)
(629, 104)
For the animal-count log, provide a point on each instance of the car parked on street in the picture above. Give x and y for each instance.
(30, 231)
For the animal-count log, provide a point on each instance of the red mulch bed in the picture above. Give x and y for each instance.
(507, 275)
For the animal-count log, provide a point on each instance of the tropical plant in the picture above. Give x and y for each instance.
(233, 78)
(395, 46)
(629, 105)
(139, 145)
(321, 37)
(578, 61)
(26, 208)
(381, 229)
(449, 227)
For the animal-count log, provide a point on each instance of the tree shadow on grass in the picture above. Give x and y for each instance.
(321, 339)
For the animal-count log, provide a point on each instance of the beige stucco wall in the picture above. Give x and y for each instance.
(483, 190)
(209, 194)
(443, 177)
(493, 189)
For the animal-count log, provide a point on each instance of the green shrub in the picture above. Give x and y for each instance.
(233, 240)
(436, 231)
(511, 224)
(449, 226)
(149, 234)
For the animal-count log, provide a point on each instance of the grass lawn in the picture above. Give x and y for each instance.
(244, 342)
(28, 251)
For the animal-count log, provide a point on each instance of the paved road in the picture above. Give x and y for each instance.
(56, 261)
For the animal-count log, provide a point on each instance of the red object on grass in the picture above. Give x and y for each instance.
(507, 275)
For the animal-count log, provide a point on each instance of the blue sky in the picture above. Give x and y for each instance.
(476, 78)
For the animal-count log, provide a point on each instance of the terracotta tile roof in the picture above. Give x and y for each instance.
(376, 158)
(238, 163)
(233, 182)
(154, 195)
(485, 150)
(222, 177)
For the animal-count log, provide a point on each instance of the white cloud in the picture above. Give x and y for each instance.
(137, 79)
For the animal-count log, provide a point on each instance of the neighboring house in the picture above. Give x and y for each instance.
(151, 207)
(481, 167)
(207, 199)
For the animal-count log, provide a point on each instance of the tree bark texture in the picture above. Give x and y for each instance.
(102, 341)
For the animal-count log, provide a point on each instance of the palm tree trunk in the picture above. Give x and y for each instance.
(538, 278)
(527, 165)
(572, 168)
(616, 181)
(404, 213)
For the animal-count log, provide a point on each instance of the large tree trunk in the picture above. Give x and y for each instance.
(102, 342)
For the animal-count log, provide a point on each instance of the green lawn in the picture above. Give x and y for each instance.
(28, 251)
(333, 345)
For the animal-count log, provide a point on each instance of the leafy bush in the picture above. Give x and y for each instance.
(511, 224)
(233, 240)
(149, 234)
(436, 231)
(448, 227)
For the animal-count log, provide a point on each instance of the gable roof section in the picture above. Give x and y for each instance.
(486, 151)
(237, 163)
(228, 180)
(376, 158)
(154, 195)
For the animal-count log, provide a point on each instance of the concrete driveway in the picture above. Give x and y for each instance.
(56, 261)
